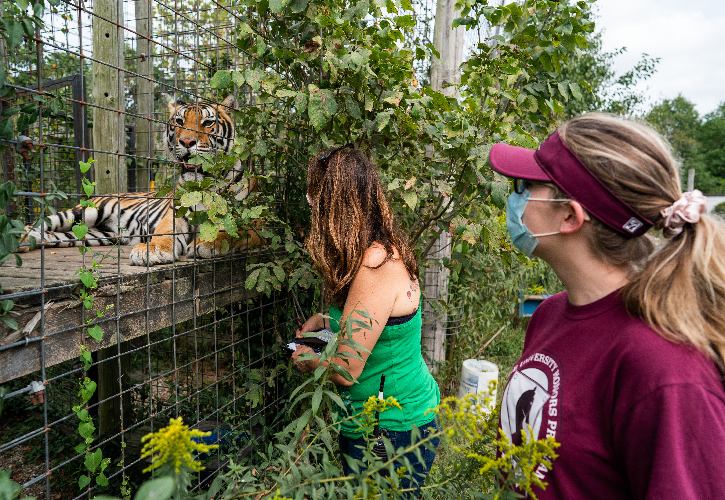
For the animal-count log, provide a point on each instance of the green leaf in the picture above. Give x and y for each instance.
(80, 231)
(361, 8)
(28, 27)
(575, 91)
(6, 128)
(284, 93)
(88, 187)
(14, 33)
(86, 429)
(83, 481)
(411, 198)
(251, 280)
(499, 191)
(23, 4)
(244, 28)
(563, 90)
(382, 119)
(316, 399)
(208, 231)
(87, 360)
(84, 166)
(238, 78)
(12, 324)
(230, 225)
(300, 103)
(87, 279)
(254, 78)
(277, 6)
(297, 6)
(93, 459)
(360, 57)
(352, 108)
(278, 273)
(191, 199)
(156, 489)
(221, 79)
(321, 108)
(96, 332)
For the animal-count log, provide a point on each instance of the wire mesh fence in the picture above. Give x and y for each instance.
(127, 84)
(161, 323)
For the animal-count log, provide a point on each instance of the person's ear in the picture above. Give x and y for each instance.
(574, 217)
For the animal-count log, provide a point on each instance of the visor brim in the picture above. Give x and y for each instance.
(516, 162)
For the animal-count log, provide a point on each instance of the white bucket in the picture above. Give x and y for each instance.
(476, 379)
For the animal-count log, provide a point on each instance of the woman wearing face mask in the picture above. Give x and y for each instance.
(367, 265)
(624, 368)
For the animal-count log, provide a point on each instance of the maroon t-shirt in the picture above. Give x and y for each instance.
(637, 416)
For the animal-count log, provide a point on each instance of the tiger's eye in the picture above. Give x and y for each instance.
(179, 121)
(207, 123)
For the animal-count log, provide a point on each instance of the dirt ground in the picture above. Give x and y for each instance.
(21, 472)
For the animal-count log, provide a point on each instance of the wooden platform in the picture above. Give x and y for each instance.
(141, 301)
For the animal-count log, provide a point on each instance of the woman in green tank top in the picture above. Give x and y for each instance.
(367, 264)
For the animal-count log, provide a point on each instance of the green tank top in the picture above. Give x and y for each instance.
(397, 354)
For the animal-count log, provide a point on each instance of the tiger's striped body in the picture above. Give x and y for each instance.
(148, 222)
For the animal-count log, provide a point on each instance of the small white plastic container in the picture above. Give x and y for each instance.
(479, 379)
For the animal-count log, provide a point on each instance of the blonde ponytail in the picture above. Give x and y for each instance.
(677, 285)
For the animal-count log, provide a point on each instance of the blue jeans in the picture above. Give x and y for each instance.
(350, 447)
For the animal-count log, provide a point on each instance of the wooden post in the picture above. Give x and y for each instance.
(449, 43)
(108, 132)
(3, 47)
(691, 179)
(144, 94)
(111, 177)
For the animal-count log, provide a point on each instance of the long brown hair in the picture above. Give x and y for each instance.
(349, 212)
(679, 289)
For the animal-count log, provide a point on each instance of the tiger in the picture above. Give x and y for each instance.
(148, 222)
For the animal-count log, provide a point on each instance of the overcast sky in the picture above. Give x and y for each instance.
(687, 35)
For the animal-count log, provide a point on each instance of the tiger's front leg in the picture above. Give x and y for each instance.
(59, 233)
(207, 250)
(170, 241)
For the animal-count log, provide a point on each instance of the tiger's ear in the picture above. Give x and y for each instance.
(230, 102)
(173, 105)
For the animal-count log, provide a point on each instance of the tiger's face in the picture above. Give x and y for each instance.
(197, 128)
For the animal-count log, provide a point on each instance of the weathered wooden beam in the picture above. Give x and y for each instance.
(138, 312)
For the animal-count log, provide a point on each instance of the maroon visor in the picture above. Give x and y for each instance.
(554, 162)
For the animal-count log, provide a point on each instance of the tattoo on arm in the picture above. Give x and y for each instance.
(413, 287)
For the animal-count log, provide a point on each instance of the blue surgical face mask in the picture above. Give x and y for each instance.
(521, 237)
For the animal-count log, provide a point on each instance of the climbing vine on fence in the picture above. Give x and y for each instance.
(93, 462)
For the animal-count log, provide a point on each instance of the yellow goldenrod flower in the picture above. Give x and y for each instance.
(173, 446)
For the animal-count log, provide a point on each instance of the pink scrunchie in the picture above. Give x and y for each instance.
(686, 209)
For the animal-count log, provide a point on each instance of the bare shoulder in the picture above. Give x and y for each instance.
(386, 281)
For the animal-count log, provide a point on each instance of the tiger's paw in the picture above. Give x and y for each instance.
(29, 231)
(207, 250)
(152, 254)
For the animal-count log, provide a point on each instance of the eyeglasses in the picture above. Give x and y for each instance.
(326, 157)
(520, 185)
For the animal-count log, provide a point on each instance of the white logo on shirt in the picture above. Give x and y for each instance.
(531, 399)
